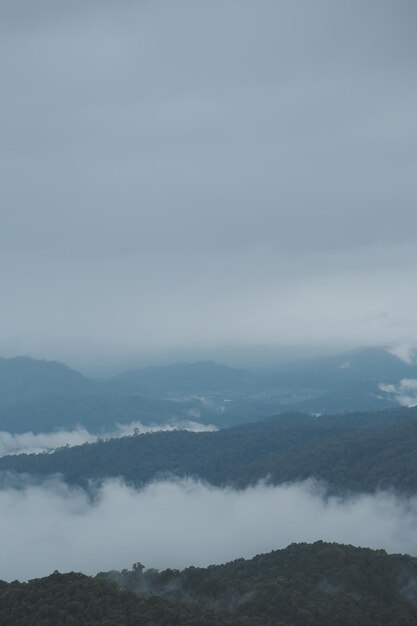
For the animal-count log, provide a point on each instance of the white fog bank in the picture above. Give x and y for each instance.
(405, 392)
(175, 524)
(27, 443)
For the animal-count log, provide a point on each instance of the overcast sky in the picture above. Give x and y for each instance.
(195, 174)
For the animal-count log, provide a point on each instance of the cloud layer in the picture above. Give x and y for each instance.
(174, 524)
(189, 174)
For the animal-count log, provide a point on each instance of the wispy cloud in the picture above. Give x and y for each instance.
(29, 442)
(404, 351)
(405, 392)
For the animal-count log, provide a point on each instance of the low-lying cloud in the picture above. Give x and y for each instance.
(51, 526)
(405, 392)
(29, 442)
(405, 351)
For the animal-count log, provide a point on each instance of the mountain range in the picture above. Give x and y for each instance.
(44, 396)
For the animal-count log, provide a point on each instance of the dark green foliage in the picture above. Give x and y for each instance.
(358, 452)
(78, 600)
(304, 584)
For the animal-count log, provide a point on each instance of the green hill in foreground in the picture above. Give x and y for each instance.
(78, 600)
(302, 585)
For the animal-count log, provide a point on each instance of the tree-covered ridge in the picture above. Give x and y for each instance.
(78, 600)
(302, 585)
(353, 452)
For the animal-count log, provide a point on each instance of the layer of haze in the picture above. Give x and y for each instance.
(175, 524)
(189, 174)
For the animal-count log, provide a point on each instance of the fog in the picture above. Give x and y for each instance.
(27, 443)
(51, 526)
(181, 176)
(405, 392)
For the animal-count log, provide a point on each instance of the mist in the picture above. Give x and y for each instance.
(405, 392)
(29, 442)
(51, 525)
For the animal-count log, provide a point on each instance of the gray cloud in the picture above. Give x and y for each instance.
(195, 173)
(175, 524)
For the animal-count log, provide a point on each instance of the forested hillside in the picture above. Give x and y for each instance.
(78, 600)
(358, 452)
(302, 585)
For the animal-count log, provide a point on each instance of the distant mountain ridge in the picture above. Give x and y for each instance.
(46, 395)
(352, 367)
(183, 378)
(26, 379)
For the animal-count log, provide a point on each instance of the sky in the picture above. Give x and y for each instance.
(181, 177)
